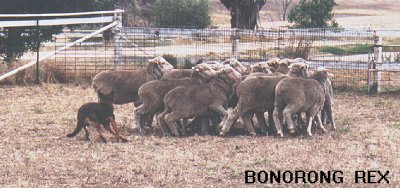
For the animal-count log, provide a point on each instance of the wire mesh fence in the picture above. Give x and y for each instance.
(349, 54)
(343, 51)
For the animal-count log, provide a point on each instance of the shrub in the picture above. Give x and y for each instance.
(182, 13)
(313, 14)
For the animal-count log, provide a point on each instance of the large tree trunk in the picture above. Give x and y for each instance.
(244, 13)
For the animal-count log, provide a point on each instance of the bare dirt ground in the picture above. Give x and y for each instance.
(34, 151)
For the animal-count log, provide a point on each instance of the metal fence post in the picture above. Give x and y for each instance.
(235, 42)
(37, 51)
(117, 39)
(378, 60)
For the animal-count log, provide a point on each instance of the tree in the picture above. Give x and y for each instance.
(282, 7)
(244, 13)
(182, 13)
(15, 41)
(313, 14)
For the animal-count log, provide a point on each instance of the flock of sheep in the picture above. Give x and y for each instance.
(201, 96)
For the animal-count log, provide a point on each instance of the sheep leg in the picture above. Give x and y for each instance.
(278, 119)
(232, 117)
(247, 121)
(162, 124)
(170, 120)
(140, 116)
(182, 127)
(271, 124)
(287, 114)
(330, 117)
(204, 121)
(319, 123)
(261, 122)
(310, 122)
(222, 112)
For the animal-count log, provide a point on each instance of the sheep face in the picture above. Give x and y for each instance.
(205, 71)
(161, 64)
(283, 66)
(299, 70)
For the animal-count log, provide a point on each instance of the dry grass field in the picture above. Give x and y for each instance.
(34, 151)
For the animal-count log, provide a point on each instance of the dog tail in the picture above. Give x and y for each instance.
(78, 129)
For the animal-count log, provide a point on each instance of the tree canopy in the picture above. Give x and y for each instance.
(313, 14)
(244, 13)
(182, 13)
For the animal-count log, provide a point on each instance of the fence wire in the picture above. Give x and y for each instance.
(343, 51)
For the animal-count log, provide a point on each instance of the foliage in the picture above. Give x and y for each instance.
(244, 13)
(182, 13)
(313, 14)
(346, 49)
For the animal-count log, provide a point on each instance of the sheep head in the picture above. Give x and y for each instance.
(158, 66)
(205, 71)
(283, 66)
(299, 70)
(321, 74)
(273, 63)
(234, 63)
(215, 65)
(261, 67)
(230, 73)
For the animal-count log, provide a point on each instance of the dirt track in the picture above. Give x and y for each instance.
(34, 151)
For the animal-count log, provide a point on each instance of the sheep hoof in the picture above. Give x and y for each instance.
(221, 133)
(323, 130)
(309, 133)
(292, 131)
(252, 134)
(280, 134)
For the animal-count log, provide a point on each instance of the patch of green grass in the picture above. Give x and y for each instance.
(38, 110)
(346, 49)
(344, 130)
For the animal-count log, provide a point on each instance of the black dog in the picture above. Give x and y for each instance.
(94, 114)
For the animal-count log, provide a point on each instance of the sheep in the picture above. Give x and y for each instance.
(185, 73)
(121, 86)
(152, 93)
(326, 113)
(257, 95)
(178, 73)
(234, 63)
(273, 63)
(195, 101)
(294, 95)
(94, 114)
